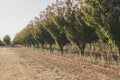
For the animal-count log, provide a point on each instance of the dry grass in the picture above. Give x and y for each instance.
(34, 64)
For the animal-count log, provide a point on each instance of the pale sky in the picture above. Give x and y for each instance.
(15, 14)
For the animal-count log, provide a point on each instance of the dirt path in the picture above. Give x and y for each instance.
(30, 64)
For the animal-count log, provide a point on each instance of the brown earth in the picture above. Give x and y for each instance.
(32, 64)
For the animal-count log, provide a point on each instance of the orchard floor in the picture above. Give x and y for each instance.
(33, 64)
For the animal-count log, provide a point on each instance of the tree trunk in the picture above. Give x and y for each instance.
(110, 48)
(61, 49)
(82, 48)
(90, 46)
(119, 50)
(51, 51)
(82, 51)
(42, 46)
(37, 45)
(29, 45)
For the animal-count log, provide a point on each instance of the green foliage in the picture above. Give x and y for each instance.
(7, 40)
(76, 29)
(58, 36)
(104, 16)
(53, 24)
(1, 43)
(66, 21)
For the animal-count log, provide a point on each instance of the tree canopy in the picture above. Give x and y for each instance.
(7, 40)
(81, 22)
(104, 16)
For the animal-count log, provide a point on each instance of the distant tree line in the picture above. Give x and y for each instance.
(6, 41)
(78, 21)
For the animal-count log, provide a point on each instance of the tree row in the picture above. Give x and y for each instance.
(80, 22)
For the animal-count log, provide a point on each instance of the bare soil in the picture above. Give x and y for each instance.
(33, 64)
